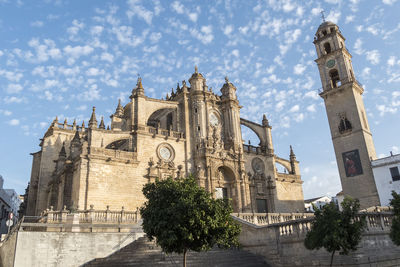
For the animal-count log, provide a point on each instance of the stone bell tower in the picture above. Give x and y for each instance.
(351, 136)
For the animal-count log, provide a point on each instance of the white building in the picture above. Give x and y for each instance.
(387, 177)
(9, 202)
(319, 202)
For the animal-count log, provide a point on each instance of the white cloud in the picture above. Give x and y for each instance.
(193, 16)
(37, 23)
(96, 30)
(312, 94)
(93, 93)
(14, 88)
(5, 112)
(93, 72)
(311, 108)
(13, 122)
(358, 47)
(349, 19)
(11, 76)
(178, 7)
(295, 108)
(383, 109)
(75, 28)
(389, 2)
(155, 37)
(78, 51)
(235, 52)
(373, 56)
(333, 16)
(366, 72)
(316, 11)
(135, 9)
(12, 99)
(299, 117)
(228, 29)
(391, 61)
(107, 57)
(299, 69)
(205, 36)
(43, 51)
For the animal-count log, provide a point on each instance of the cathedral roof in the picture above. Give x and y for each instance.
(326, 24)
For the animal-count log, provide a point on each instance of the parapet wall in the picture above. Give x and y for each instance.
(282, 244)
(44, 245)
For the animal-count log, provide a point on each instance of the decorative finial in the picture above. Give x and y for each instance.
(119, 111)
(323, 15)
(93, 120)
(291, 152)
(195, 69)
(102, 125)
(62, 153)
(226, 79)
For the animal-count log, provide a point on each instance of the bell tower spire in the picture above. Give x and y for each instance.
(342, 94)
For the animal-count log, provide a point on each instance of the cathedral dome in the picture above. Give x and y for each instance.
(127, 110)
(326, 28)
(326, 24)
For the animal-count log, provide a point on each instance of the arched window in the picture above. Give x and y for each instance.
(335, 80)
(324, 32)
(122, 144)
(327, 47)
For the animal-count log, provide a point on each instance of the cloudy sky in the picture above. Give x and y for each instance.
(60, 58)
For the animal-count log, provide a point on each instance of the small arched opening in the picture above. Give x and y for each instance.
(281, 169)
(121, 144)
(327, 48)
(162, 118)
(335, 80)
(249, 136)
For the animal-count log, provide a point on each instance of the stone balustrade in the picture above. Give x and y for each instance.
(164, 132)
(271, 218)
(252, 149)
(92, 216)
(296, 224)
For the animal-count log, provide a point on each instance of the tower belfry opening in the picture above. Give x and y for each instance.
(327, 47)
(335, 80)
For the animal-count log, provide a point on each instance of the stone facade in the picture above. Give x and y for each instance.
(351, 135)
(193, 131)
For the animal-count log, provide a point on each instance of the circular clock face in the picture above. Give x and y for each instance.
(214, 119)
(165, 153)
(330, 63)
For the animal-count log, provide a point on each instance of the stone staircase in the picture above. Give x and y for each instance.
(143, 252)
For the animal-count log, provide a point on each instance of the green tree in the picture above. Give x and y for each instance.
(336, 230)
(181, 216)
(395, 229)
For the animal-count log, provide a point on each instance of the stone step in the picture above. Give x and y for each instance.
(143, 252)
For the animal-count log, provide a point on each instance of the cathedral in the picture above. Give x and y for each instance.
(193, 131)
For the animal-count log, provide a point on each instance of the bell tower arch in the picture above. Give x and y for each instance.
(342, 94)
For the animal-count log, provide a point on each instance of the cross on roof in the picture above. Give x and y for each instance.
(323, 15)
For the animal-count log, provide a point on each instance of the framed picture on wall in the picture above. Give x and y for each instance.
(352, 163)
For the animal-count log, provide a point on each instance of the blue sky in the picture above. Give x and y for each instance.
(60, 58)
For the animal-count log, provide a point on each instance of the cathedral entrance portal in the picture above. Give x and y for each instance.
(225, 188)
